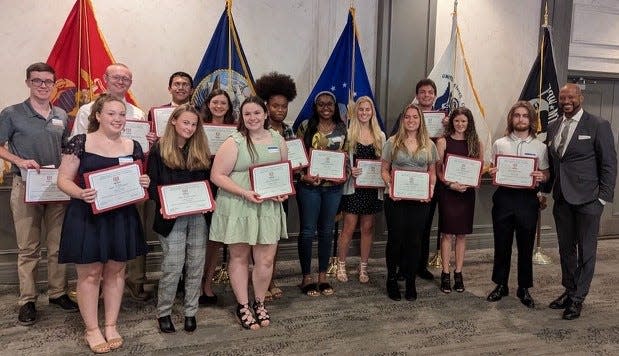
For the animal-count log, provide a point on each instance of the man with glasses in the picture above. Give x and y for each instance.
(35, 131)
(118, 79)
(180, 87)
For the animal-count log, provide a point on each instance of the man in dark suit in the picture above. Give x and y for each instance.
(583, 163)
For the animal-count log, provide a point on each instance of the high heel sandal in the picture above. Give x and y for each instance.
(246, 318)
(458, 282)
(101, 348)
(341, 271)
(116, 342)
(445, 283)
(262, 314)
(363, 272)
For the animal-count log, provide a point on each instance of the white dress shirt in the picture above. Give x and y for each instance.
(80, 125)
(570, 133)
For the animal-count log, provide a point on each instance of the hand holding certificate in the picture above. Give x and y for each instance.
(185, 199)
(216, 135)
(137, 130)
(41, 187)
(160, 119)
(463, 170)
(410, 185)
(434, 123)
(370, 174)
(116, 186)
(296, 153)
(272, 180)
(327, 164)
(515, 171)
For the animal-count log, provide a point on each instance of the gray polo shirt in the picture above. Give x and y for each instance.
(31, 136)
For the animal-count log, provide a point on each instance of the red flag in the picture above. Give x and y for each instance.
(80, 57)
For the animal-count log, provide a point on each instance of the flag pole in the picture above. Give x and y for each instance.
(539, 258)
(229, 12)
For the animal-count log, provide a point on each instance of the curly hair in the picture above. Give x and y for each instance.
(276, 84)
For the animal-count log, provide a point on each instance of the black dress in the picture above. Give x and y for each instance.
(113, 235)
(365, 200)
(456, 209)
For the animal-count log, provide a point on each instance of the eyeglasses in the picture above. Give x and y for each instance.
(322, 104)
(39, 82)
(181, 85)
(120, 78)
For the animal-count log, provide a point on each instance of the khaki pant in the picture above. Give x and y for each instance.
(29, 220)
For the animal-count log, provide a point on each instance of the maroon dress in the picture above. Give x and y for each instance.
(456, 209)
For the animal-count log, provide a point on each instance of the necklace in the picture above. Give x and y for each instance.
(325, 128)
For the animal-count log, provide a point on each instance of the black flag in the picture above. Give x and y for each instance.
(545, 101)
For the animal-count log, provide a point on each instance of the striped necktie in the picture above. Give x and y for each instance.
(564, 134)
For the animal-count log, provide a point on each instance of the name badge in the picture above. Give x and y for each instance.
(57, 122)
(530, 154)
(273, 149)
(123, 160)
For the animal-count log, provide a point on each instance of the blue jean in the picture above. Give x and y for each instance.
(318, 207)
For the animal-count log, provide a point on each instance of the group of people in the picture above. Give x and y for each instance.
(578, 164)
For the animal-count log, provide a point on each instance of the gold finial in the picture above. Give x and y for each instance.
(546, 15)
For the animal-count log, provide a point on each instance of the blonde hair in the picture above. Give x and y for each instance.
(423, 139)
(355, 128)
(97, 108)
(198, 157)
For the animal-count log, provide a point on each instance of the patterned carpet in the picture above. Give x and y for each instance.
(358, 319)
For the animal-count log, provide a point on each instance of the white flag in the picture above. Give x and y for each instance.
(454, 86)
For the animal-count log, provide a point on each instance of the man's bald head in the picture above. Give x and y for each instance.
(118, 80)
(570, 99)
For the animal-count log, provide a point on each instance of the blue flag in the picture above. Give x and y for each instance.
(224, 64)
(337, 76)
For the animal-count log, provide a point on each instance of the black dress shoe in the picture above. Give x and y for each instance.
(27, 314)
(572, 311)
(165, 324)
(410, 293)
(425, 274)
(562, 302)
(190, 324)
(207, 299)
(525, 297)
(499, 292)
(393, 290)
(65, 303)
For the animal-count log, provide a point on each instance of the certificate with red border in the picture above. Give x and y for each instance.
(434, 123)
(160, 118)
(514, 171)
(297, 155)
(327, 164)
(137, 130)
(463, 170)
(272, 180)
(116, 186)
(41, 187)
(410, 185)
(216, 135)
(370, 176)
(185, 199)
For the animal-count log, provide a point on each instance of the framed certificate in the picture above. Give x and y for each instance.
(370, 174)
(216, 135)
(41, 187)
(514, 171)
(297, 154)
(185, 199)
(327, 164)
(410, 185)
(464, 170)
(160, 119)
(116, 186)
(434, 123)
(137, 130)
(271, 180)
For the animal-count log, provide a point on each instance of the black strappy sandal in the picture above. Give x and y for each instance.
(264, 319)
(246, 318)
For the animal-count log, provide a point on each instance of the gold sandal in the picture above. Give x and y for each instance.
(116, 342)
(341, 272)
(101, 348)
(276, 292)
(363, 272)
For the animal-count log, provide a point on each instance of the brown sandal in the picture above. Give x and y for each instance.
(101, 348)
(114, 343)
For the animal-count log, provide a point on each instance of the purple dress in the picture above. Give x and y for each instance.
(456, 210)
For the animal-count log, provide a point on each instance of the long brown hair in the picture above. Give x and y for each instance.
(423, 139)
(97, 107)
(532, 117)
(243, 129)
(205, 112)
(198, 156)
(470, 134)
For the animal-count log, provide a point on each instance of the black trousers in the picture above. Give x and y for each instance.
(405, 224)
(514, 211)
